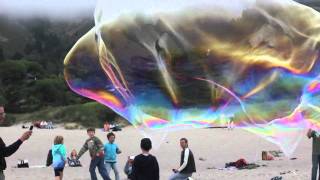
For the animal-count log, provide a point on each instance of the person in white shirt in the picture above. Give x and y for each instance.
(187, 163)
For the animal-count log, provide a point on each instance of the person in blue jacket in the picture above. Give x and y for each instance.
(110, 155)
(59, 157)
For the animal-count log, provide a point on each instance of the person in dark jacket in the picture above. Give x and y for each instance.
(145, 166)
(315, 152)
(187, 163)
(6, 151)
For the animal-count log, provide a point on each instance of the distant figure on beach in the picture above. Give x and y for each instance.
(110, 155)
(128, 167)
(6, 151)
(187, 163)
(59, 157)
(265, 156)
(37, 124)
(95, 147)
(72, 160)
(315, 152)
(145, 166)
(106, 126)
(230, 123)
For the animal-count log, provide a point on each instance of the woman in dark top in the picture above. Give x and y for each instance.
(145, 166)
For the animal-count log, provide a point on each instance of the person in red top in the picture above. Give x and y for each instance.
(106, 126)
(6, 151)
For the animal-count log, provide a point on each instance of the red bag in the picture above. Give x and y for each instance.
(241, 163)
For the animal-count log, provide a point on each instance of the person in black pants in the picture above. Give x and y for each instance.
(6, 151)
(145, 166)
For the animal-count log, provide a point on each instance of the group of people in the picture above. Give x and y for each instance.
(43, 124)
(141, 167)
(104, 157)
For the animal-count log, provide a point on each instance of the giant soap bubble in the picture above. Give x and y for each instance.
(171, 65)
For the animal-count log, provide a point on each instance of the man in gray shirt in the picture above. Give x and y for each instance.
(315, 151)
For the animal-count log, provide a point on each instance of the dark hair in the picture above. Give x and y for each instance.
(146, 144)
(110, 134)
(184, 139)
(91, 129)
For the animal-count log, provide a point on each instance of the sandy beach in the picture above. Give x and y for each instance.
(212, 149)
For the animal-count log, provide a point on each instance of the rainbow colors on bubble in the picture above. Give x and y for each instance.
(175, 65)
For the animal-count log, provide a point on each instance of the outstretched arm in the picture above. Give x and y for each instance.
(82, 150)
(9, 150)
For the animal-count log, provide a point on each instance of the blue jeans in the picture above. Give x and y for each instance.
(2, 175)
(112, 165)
(315, 165)
(98, 162)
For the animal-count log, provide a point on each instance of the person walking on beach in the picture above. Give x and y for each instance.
(110, 155)
(187, 163)
(95, 147)
(145, 166)
(6, 151)
(59, 157)
(315, 152)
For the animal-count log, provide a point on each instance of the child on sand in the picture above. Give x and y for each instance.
(72, 160)
(95, 147)
(110, 155)
(59, 157)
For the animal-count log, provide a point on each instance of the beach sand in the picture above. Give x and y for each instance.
(212, 148)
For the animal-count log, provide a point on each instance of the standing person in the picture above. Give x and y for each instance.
(110, 155)
(6, 151)
(230, 123)
(315, 152)
(106, 126)
(187, 163)
(128, 167)
(145, 166)
(95, 147)
(59, 157)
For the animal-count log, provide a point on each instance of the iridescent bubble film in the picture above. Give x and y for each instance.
(171, 65)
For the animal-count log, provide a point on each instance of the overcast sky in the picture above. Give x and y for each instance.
(52, 8)
(111, 8)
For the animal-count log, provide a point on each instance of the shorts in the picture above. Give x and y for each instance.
(57, 171)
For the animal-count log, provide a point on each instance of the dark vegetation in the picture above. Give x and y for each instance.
(32, 85)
